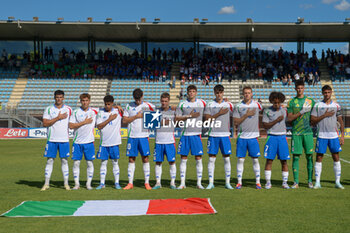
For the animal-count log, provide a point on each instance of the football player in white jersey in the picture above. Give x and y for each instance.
(326, 114)
(219, 138)
(109, 123)
(165, 142)
(188, 113)
(56, 118)
(274, 121)
(83, 122)
(246, 118)
(137, 136)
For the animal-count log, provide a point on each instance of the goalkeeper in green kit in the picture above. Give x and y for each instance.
(299, 109)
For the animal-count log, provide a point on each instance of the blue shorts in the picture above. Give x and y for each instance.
(214, 143)
(193, 143)
(164, 149)
(276, 145)
(108, 152)
(52, 147)
(136, 145)
(323, 143)
(87, 149)
(251, 145)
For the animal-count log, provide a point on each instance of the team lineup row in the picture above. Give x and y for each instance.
(301, 111)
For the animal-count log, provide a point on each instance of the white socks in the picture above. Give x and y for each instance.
(183, 171)
(337, 171)
(240, 168)
(227, 167)
(199, 166)
(211, 169)
(103, 171)
(48, 170)
(158, 171)
(146, 172)
(65, 170)
(89, 172)
(268, 176)
(172, 174)
(285, 177)
(76, 171)
(318, 171)
(115, 170)
(131, 172)
(256, 168)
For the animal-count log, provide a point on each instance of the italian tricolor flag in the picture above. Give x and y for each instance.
(112, 208)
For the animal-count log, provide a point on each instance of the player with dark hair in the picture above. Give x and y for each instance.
(137, 136)
(274, 121)
(219, 138)
(56, 119)
(299, 109)
(189, 112)
(326, 114)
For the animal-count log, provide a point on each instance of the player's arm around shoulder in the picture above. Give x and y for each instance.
(207, 111)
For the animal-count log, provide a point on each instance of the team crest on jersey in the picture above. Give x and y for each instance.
(151, 120)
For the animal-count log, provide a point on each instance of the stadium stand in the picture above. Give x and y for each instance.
(38, 93)
(7, 82)
(266, 71)
(122, 90)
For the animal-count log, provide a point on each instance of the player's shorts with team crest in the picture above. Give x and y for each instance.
(136, 145)
(168, 150)
(247, 144)
(332, 143)
(276, 145)
(108, 152)
(52, 148)
(214, 143)
(191, 143)
(300, 142)
(86, 149)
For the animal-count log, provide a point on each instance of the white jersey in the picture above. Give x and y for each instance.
(270, 114)
(85, 133)
(327, 128)
(249, 128)
(213, 108)
(165, 135)
(135, 128)
(185, 108)
(110, 134)
(58, 132)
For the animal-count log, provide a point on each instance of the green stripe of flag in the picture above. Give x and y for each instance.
(45, 208)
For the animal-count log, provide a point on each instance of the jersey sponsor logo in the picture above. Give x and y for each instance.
(13, 133)
(151, 120)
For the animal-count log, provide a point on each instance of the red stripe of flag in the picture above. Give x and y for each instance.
(180, 206)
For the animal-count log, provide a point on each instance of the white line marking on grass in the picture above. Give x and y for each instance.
(345, 161)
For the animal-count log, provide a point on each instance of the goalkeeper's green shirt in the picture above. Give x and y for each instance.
(301, 125)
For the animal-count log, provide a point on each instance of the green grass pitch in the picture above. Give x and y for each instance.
(246, 210)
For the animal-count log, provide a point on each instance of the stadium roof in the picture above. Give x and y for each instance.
(175, 32)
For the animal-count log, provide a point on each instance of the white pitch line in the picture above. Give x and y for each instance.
(345, 161)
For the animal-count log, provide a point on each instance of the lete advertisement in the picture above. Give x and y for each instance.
(13, 133)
